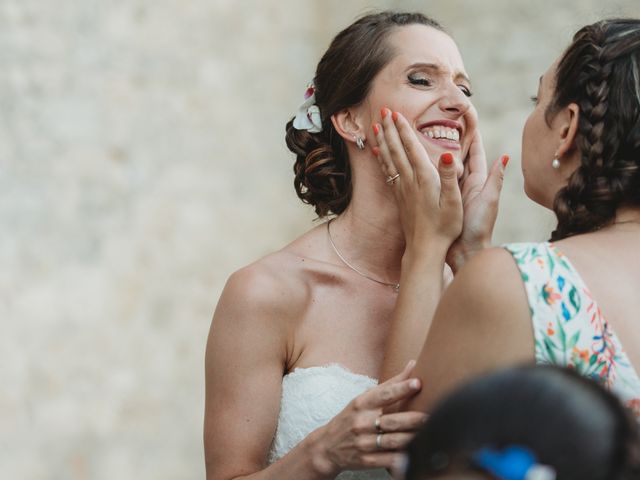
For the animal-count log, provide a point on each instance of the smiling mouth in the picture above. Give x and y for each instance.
(447, 136)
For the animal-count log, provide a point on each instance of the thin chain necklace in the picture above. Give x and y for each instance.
(395, 286)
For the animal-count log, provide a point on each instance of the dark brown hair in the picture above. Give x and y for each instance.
(600, 73)
(568, 422)
(343, 79)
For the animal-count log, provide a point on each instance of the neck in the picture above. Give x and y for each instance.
(627, 215)
(368, 234)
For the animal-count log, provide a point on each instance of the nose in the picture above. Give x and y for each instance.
(454, 101)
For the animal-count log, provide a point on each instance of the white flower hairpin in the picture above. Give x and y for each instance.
(308, 117)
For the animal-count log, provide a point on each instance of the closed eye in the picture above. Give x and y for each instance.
(423, 81)
(465, 90)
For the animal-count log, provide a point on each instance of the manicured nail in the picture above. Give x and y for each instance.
(376, 151)
(505, 160)
(394, 116)
(446, 158)
(383, 112)
(415, 383)
(376, 128)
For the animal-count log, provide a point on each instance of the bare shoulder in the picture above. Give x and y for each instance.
(273, 287)
(482, 323)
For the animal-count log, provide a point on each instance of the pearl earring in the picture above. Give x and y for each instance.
(555, 164)
(360, 143)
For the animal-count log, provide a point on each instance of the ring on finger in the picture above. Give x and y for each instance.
(376, 424)
(379, 441)
(391, 179)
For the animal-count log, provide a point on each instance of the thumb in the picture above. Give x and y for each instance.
(449, 187)
(495, 179)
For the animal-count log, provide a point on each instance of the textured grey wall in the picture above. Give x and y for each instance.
(142, 161)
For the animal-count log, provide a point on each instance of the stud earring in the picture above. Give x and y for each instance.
(555, 164)
(360, 143)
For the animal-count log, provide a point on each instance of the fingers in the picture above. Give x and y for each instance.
(384, 460)
(477, 162)
(384, 441)
(386, 394)
(403, 375)
(416, 154)
(402, 422)
(392, 151)
(450, 195)
(493, 185)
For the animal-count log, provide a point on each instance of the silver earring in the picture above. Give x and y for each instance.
(555, 164)
(360, 143)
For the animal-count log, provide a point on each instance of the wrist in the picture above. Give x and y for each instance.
(426, 254)
(462, 253)
(317, 453)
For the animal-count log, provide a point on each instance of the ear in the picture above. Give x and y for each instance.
(349, 125)
(568, 123)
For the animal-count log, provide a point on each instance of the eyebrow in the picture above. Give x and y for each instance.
(438, 69)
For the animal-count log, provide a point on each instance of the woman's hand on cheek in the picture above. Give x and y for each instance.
(480, 199)
(429, 199)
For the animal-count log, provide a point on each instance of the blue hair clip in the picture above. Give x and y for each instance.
(513, 463)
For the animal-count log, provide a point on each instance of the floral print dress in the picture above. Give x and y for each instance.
(569, 327)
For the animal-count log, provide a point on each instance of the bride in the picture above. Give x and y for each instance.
(298, 337)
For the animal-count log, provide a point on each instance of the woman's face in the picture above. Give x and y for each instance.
(539, 144)
(426, 82)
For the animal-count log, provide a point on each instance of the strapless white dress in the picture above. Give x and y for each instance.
(310, 398)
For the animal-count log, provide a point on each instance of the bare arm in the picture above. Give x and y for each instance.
(482, 323)
(244, 364)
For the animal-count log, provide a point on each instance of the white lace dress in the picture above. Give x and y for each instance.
(310, 398)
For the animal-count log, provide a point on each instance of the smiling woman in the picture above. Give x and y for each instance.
(304, 329)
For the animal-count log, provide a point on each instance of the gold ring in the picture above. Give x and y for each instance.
(391, 179)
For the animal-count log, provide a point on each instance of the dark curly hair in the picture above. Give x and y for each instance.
(600, 73)
(569, 422)
(343, 79)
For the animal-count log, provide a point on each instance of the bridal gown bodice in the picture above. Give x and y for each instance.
(310, 398)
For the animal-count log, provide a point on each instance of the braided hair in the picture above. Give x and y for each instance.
(600, 73)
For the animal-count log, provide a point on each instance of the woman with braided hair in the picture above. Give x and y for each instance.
(572, 301)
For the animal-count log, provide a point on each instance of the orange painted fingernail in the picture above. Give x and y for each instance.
(376, 128)
(446, 158)
(376, 151)
(383, 112)
(505, 160)
(394, 116)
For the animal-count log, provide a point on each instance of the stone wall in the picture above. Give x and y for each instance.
(142, 161)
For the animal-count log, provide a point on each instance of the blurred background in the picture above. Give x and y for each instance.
(142, 161)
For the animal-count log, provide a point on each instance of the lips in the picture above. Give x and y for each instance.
(446, 133)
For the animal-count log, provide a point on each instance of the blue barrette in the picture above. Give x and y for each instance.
(513, 463)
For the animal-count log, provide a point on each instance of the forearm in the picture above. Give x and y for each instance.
(306, 461)
(421, 286)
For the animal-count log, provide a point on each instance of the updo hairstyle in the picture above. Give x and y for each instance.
(343, 79)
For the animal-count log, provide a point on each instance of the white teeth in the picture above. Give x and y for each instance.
(442, 132)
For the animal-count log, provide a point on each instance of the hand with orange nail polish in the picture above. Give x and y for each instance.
(480, 196)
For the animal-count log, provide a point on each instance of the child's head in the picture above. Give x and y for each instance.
(543, 420)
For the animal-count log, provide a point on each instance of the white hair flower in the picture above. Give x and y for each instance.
(308, 117)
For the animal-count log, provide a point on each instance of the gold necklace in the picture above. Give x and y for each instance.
(395, 286)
